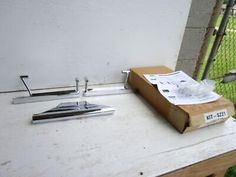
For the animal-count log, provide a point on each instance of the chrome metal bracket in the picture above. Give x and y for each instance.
(72, 110)
(46, 96)
(107, 90)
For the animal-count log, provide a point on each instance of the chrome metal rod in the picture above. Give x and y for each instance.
(106, 91)
(86, 84)
(77, 84)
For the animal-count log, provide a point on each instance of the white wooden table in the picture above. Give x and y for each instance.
(135, 141)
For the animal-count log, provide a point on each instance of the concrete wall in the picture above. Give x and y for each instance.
(198, 24)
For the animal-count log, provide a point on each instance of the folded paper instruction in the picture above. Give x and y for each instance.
(180, 89)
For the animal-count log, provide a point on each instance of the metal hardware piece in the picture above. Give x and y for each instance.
(77, 85)
(108, 90)
(46, 96)
(72, 110)
(32, 99)
(26, 86)
(86, 84)
(126, 78)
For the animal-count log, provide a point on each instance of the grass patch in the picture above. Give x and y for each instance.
(231, 172)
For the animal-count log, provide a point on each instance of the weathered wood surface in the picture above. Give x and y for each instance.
(134, 141)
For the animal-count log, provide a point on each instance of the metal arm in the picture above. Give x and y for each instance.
(26, 86)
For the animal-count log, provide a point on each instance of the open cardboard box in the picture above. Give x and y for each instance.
(183, 118)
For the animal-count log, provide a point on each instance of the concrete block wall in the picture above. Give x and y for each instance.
(199, 19)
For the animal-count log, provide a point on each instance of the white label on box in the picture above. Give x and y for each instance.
(215, 116)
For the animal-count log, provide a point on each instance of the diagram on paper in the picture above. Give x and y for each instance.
(173, 87)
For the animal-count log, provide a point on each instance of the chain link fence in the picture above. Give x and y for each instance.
(225, 61)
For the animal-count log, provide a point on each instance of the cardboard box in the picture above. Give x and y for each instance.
(183, 118)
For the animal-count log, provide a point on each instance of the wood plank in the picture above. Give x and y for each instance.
(214, 167)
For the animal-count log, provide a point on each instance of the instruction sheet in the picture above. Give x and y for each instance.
(174, 87)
